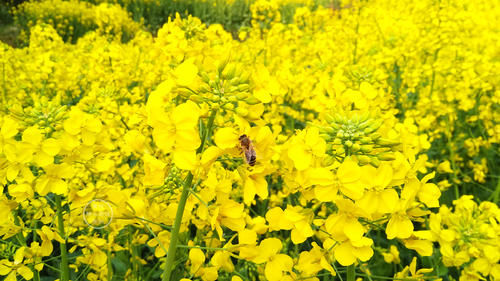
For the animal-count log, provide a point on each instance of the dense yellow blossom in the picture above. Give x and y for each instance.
(359, 116)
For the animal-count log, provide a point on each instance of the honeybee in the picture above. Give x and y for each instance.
(248, 150)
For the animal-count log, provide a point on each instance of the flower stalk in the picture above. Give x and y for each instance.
(64, 253)
(351, 273)
(174, 238)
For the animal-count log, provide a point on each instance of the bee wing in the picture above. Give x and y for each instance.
(248, 154)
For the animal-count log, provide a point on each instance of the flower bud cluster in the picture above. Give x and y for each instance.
(225, 89)
(264, 13)
(47, 115)
(357, 135)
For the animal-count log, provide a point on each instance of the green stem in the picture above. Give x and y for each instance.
(174, 237)
(351, 273)
(64, 254)
(177, 225)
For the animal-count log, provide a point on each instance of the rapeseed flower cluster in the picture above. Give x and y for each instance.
(468, 237)
(133, 159)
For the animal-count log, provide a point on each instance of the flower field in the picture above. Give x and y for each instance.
(250, 140)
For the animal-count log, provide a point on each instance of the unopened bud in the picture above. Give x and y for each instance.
(195, 98)
(363, 159)
(329, 118)
(241, 111)
(356, 147)
(375, 162)
(222, 65)
(242, 96)
(229, 72)
(366, 148)
(386, 156)
(386, 142)
(252, 100)
(228, 106)
(204, 77)
(243, 87)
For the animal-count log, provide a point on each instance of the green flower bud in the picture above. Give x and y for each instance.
(356, 147)
(386, 156)
(242, 96)
(252, 100)
(195, 98)
(204, 77)
(375, 162)
(228, 106)
(229, 72)
(366, 148)
(363, 159)
(243, 87)
(365, 140)
(222, 65)
(241, 111)
(386, 142)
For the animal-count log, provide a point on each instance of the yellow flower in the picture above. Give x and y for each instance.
(12, 269)
(276, 264)
(305, 146)
(348, 252)
(54, 179)
(412, 272)
(197, 259)
(392, 256)
(154, 170)
(178, 134)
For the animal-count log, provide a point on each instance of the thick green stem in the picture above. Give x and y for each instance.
(174, 239)
(351, 273)
(174, 235)
(64, 253)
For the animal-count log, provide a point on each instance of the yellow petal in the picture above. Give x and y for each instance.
(186, 115)
(363, 253)
(384, 175)
(11, 276)
(210, 154)
(185, 160)
(423, 247)
(262, 95)
(25, 272)
(390, 199)
(9, 127)
(276, 219)
(186, 73)
(429, 195)
(59, 187)
(32, 136)
(249, 191)
(367, 90)
(320, 176)
(301, 158)
(353, 229)
(164, 138)
(247, 236)
(399, 227)
(197, 258)
(344, 254)
(349, 171)
(42, 159)
(226, 138)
